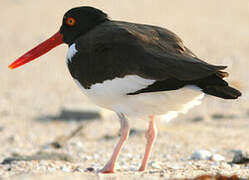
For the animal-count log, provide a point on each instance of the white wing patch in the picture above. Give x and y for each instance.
(105, 94)
(120, 86)
(71, 52)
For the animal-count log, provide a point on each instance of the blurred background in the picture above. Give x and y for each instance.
(216, 31)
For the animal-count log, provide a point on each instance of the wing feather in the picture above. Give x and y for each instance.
(116, 49)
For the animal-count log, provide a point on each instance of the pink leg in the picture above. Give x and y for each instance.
(124, 133)
(150, 136)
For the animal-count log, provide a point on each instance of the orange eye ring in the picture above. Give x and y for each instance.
(70, 21)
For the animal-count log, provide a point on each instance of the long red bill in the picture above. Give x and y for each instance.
(39, 50)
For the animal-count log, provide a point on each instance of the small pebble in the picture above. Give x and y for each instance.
(217, 157)
(240, 157)
(133, 168)
(201, 155)
(176, 166)
(78, 144)
(155, 165)
(96, 167)
(89, 169)
(65, 169)
(87, 158)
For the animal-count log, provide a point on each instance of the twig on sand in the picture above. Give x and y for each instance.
(61, 141)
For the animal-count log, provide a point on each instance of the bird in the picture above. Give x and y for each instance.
(135, 70)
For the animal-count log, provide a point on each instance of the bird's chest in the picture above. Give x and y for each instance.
(90, 68)
(80, 67)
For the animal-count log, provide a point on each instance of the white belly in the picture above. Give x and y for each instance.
(112, 94)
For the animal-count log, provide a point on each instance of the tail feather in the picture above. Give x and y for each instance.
(225, 92)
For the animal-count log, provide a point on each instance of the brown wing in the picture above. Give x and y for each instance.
(116, 49)
(168, 50)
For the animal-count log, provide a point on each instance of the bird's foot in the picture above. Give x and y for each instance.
(107, 169)
(142, 169)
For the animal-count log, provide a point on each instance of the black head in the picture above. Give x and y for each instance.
(80, 20)
(76, 22)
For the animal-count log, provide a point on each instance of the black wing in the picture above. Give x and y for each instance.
(163, 55)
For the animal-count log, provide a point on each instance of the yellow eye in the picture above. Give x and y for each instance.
(70, 21)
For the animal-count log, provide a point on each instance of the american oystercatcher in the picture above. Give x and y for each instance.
(132, 69)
